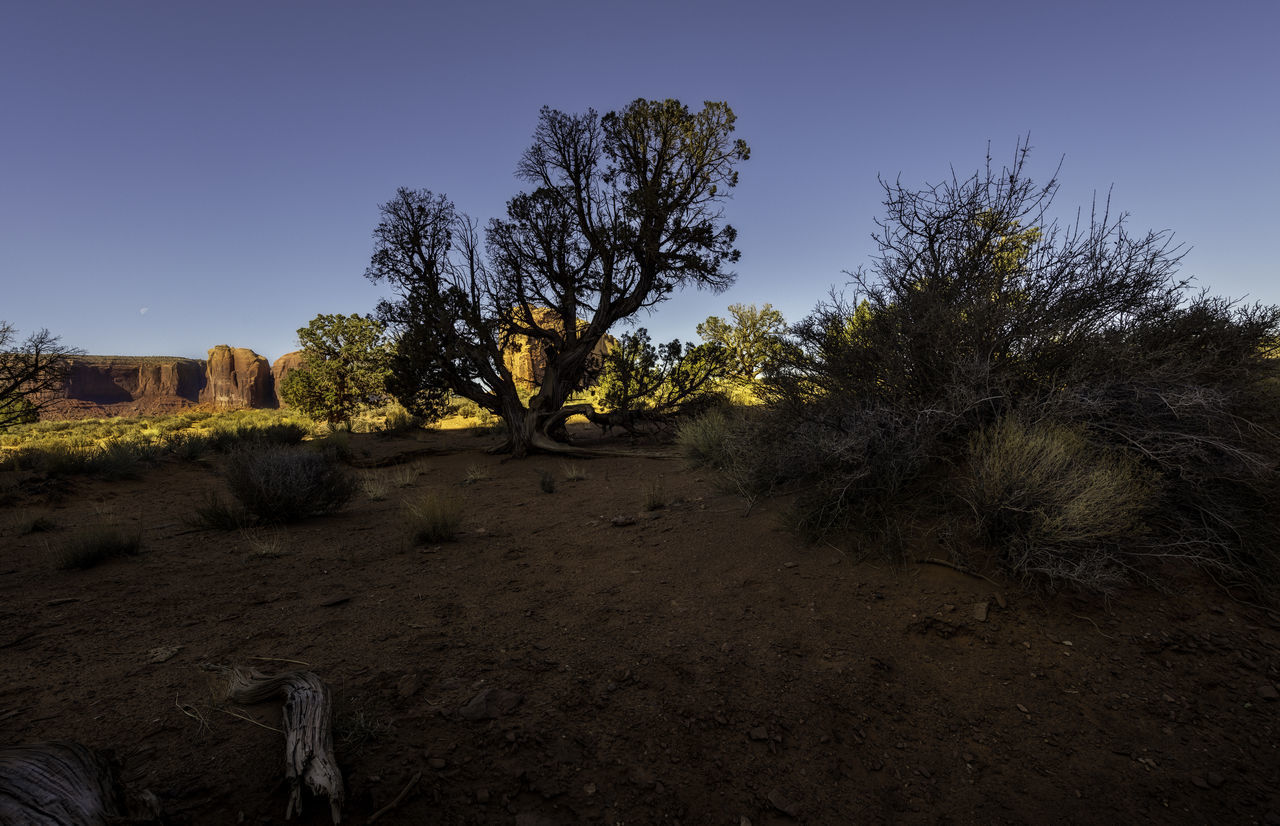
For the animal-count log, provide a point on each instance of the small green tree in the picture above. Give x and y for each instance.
(345, 364)
(755, 338)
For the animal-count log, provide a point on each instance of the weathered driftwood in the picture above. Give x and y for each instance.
(307, 731)
(66, 784)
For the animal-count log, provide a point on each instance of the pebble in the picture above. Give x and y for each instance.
(482, 795)
(1023, 708)
(758, 733)
(436, 762)
(980, 610)
(1268, 692)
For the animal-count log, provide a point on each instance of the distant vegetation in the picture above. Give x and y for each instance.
(120, 447)
(345, 364)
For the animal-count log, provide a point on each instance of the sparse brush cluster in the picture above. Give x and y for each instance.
(1056, 394)
(120, 448)
(275, 484)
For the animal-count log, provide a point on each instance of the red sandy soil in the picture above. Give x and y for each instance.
(683, 665)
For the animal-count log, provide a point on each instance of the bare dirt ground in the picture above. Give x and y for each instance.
(683, 665)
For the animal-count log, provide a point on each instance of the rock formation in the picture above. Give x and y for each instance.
(143, 386)
(237, 377)
(280, 370)
(526, 358)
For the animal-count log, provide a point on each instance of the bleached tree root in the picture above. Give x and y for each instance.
(307, 718)
(66, 784)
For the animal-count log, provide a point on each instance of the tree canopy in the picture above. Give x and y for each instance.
(754, 336)
(345, 364)
(624, 210)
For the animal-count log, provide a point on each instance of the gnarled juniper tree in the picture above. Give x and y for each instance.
(624, 210)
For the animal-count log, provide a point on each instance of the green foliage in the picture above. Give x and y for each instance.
(436, 517)
(280, 484)
(666, 379)
(755, 339)
(346, 362)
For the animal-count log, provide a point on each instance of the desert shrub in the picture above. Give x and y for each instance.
(374, 486)
(93, 546)
(655, 495)
(546, 481)
(435, 517)
(476, 474)
(980, 308)
(573, 472)
(215, 513)
(1054, 505)
(120, 459)
(280, 484)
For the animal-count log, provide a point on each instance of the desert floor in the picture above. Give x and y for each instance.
(689, 664)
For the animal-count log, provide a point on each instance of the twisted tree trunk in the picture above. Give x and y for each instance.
(66, 784)
(307, 730)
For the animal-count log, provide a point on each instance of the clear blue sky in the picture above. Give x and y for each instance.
(183, 174)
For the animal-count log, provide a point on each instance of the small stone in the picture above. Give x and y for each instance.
(968, 757)
(758, 733)
(948, 607)
(622, 521)
(1215, 779)
(436, 763)
(784, 804)
(163, 654)
(1001, 601)
(980, 610)
(1268, 692)
(589, 789)
(490, 704)
(408, 685)
(1199, 782)
(1023, 708)
(744, 821)
(1167, 698)
(482, 795)
(790, 564)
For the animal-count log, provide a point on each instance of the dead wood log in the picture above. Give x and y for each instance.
(66, 784)
(308, 732)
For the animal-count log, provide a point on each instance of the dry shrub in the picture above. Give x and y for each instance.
(279, 484)
(1053, 505)
(436, 517)
(93, 546)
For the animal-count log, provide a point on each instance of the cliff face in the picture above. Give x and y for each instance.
(280, 370)
(237, 377)
(232, 377)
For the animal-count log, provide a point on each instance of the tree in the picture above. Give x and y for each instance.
(625, 210)
(755, 338)
(641, 382)
(345, 364)
(30, 374)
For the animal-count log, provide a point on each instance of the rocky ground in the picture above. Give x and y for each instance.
(576, 658)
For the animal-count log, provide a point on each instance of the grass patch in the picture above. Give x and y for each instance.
(476, 474)
(216, 514)
(573, 472)
(374, 487)
(265, 544)
(655, 495)
(436, 517)
(94, 546)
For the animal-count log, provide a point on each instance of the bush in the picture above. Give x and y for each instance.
(1053, 505)
(435, 517)
(94, 546)
(980, 311)
(279, 484)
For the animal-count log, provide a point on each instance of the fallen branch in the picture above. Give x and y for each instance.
(66, 784)
(308, 731)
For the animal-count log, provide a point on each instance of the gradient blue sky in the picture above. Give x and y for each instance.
(178, 175)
